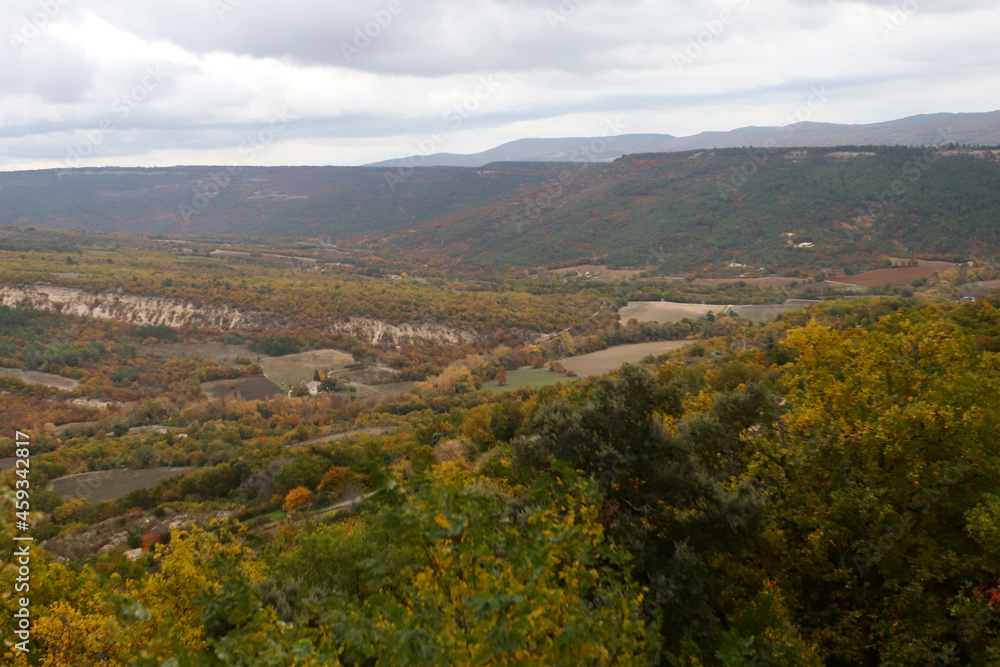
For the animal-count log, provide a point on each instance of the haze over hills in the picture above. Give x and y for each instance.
(922, 130)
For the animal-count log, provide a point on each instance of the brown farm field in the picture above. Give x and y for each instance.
(95, 487)
(251, 389)
(598, 363)
(47, 379)
(295, 368)
(222, 353)
(665, 312)
(669, 312)
(896, 276)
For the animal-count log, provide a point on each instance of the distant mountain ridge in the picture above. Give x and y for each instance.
(922, 130)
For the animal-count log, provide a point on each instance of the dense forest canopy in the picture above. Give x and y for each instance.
(672, 212)
(813, 490)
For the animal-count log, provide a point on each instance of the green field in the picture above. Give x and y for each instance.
(295, 368)
(528, 377)
(603, 361)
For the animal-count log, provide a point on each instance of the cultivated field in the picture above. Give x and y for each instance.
(665, 312)
(295, 368)
(382, 391)
(221, 353)
(251, 389)
(34, 377)
(598, 272)
(773, 281)
(527, 377)
(980, 289)
(598, 363)
(112, 484)
(896, 276)
(668, 312)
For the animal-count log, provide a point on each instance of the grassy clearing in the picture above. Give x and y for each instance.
(598, 363)
(527, 377)
(47, 379)
(221, 353)
(251, 389)
(295, 368)
(669, 312)
(113, 484)
(382, 391)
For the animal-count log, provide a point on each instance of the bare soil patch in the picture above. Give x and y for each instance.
(95, 487)
(251, 389)
(47, 379)
(896, 276)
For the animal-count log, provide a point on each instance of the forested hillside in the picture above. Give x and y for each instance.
(704, 210)
(815, 490)
(765, 210)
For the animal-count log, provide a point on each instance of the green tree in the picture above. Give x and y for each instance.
(882, 482)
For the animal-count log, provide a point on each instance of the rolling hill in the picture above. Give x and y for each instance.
(923, 130)
(759, 210)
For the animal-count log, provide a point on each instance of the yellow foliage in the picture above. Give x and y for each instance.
(298, 497)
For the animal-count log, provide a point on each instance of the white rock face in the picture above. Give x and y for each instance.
(156, 310)
(377, 332)
(131, 308)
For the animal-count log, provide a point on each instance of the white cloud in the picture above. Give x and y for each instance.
(413, 68)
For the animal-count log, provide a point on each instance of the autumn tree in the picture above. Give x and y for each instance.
(882, 483)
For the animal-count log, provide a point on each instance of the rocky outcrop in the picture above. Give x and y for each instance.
(377, 332)
(156, 310)
(132, 308)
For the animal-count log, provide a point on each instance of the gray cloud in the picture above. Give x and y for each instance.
(366, 80)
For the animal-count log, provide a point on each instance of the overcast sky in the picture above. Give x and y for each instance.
(167, 82)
